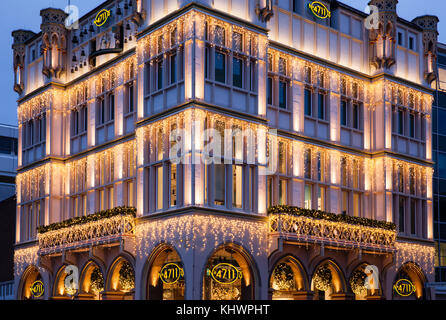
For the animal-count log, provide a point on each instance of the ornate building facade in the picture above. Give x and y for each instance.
(328, 173)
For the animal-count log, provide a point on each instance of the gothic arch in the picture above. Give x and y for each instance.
(250, 275)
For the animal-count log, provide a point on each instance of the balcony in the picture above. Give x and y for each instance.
(336, 230)
(104, 227)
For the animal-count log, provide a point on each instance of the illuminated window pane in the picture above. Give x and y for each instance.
(173, 185)
(282, 192)
(270, 192)
(344, 202)
(308, 191)
(237, 190)
(356, 204)
(159, 188)
(282, 158)
(219, 176)
(321, 199)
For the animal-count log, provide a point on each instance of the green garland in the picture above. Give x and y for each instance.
(126, 277)
(322, 278)
(123, 211)
(283, 277)
(357, 281)
(317, 214)
(97, 280)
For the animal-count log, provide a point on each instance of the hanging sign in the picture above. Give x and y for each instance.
(404, 287)
(101, 17)
(171, 273)
(225, 273)
(319, 10)
(37, 289)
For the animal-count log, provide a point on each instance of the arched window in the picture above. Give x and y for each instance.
(166, 276)
(32, 286)
(327, 280)
(287, 278)
(92, 282)
(228, 276)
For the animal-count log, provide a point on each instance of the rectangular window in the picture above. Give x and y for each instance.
(321, 199)
(270, 192)
(321, 106)
(219, 176)
(344, 172)
(111, 197)
(356, 204)
(308, 191)
(411, 43)
(355, 116)
(237, 74)
(173, 68)
(412, 125)
(102, 113)
(173, 185)
(307, 163)
(159, 74)
(400, 121)
(111, 111)
(159, 187)
(401, 215)
(206, 63)
(413, 210)
(282, 94)
(344, 202)
(282, 191)
(220, 67)
(130, 195)
(343, 113)
(282, 158)
(400, 39)
(237, 186)
(85, 118)
(320, 167)
(251, 187)
(270, 90)
(307, 102)
(160, 144)
(131, 99)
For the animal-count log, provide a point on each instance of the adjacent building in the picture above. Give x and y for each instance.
(326, 176)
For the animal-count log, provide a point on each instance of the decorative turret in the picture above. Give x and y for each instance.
(264, 9)
(19, 48)
(430, 35)
(382, 40)
(54, 42)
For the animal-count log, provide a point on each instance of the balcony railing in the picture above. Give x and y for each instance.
(303, 225)
(7, 290)
(100, 228)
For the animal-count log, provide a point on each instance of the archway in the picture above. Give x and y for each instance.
(327, 281)
(228, 275)
(288, 278)
(30, 281)
(412, 272)
(166, 275)
(361, 275)
(91, 282)
(61, 291)
(121, 280)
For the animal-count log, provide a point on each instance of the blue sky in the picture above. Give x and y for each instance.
(25, 14)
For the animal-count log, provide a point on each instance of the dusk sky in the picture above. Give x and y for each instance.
(25, 14)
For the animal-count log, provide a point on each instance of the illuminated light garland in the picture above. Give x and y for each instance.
(198, 232)
(422, 255)
(93, 232)
(24, 258)
(35, 106)
(341, 234)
